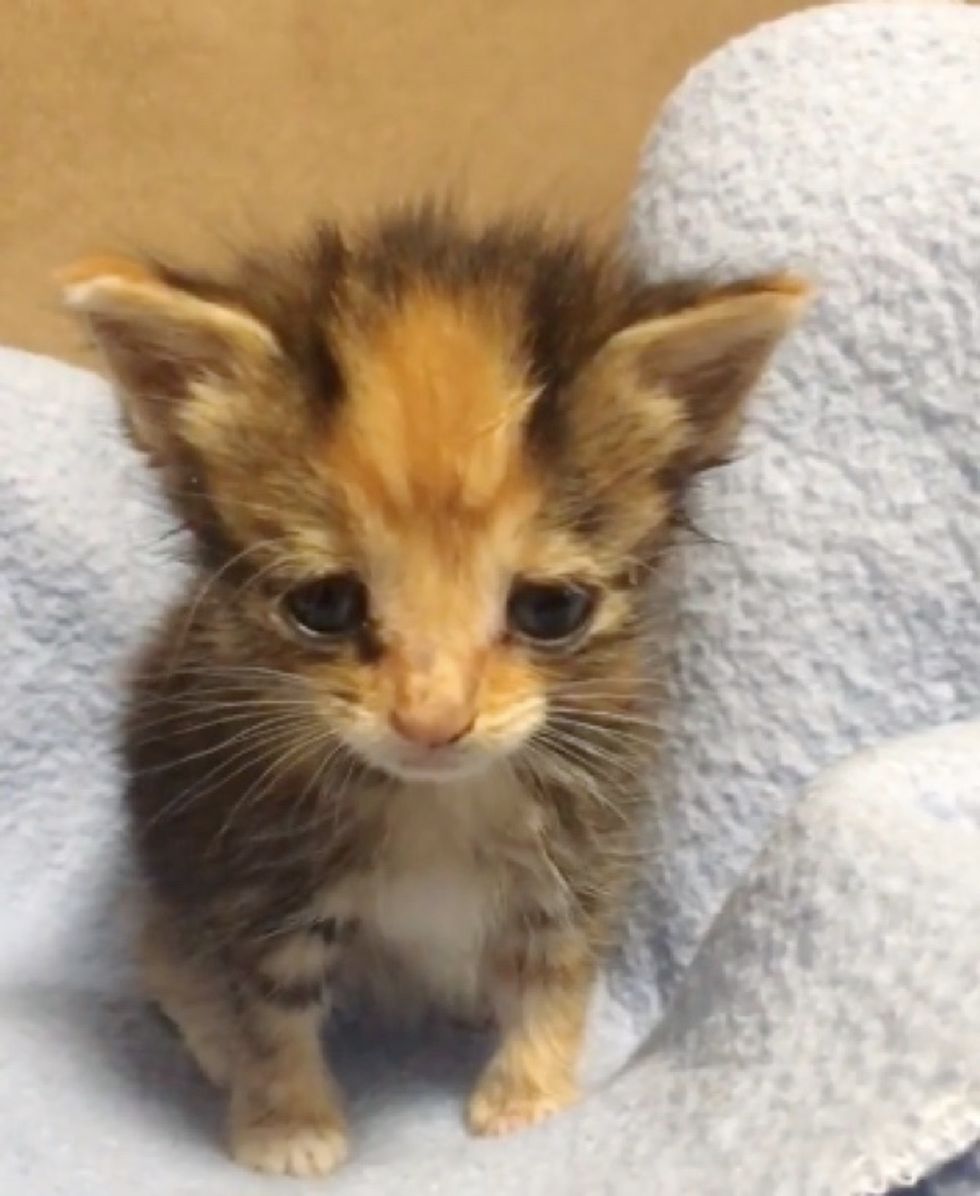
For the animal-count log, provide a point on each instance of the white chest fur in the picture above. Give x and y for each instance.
(446, 877)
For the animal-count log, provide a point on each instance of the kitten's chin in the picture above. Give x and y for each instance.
(440, 765)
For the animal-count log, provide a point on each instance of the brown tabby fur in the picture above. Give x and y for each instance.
(440, 411)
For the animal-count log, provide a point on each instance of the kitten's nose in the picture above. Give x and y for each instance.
(433, 725)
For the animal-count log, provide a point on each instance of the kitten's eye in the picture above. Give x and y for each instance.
(334, 605)
(549, 611)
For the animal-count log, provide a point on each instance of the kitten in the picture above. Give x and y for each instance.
(397, 729)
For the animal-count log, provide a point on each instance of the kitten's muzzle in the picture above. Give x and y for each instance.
(432, 702)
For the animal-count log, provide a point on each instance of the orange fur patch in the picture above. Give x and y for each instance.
(434, 416)
(428, 451)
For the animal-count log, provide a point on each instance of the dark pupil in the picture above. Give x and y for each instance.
(548, 610)
(331, 606)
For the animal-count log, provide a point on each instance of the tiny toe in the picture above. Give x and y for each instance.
(498, 1107)
(303, 1151)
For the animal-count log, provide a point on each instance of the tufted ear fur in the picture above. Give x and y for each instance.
(708, 357)
(159, 340)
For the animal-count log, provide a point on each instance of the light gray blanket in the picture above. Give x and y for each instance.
(801, 975)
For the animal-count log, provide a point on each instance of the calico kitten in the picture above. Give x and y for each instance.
(397, 729)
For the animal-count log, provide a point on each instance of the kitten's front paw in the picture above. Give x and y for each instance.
(503, 1103)
(303, 1150)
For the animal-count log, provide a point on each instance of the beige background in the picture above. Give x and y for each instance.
(177, 125)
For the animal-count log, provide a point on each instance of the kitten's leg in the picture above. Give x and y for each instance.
(541, 996)
(194, 998)
(285, 1116)
(263, 1043)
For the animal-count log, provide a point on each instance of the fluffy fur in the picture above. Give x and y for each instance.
(444, 416)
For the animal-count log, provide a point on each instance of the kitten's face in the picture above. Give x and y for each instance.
(475, 598)
(428, 476)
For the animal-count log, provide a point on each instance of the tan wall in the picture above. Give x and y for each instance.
(176, 124)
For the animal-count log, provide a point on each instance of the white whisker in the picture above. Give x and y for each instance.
(246, 757)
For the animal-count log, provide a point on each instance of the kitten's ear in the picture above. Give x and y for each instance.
(159, 340)
(709, 356)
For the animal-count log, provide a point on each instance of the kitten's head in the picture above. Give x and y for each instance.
(427, 469)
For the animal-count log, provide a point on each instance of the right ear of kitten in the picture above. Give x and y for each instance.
(399, 734)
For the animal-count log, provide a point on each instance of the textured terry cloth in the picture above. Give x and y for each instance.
(802, 966)
(844, 608)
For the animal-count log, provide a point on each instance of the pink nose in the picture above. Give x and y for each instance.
(433, 728)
